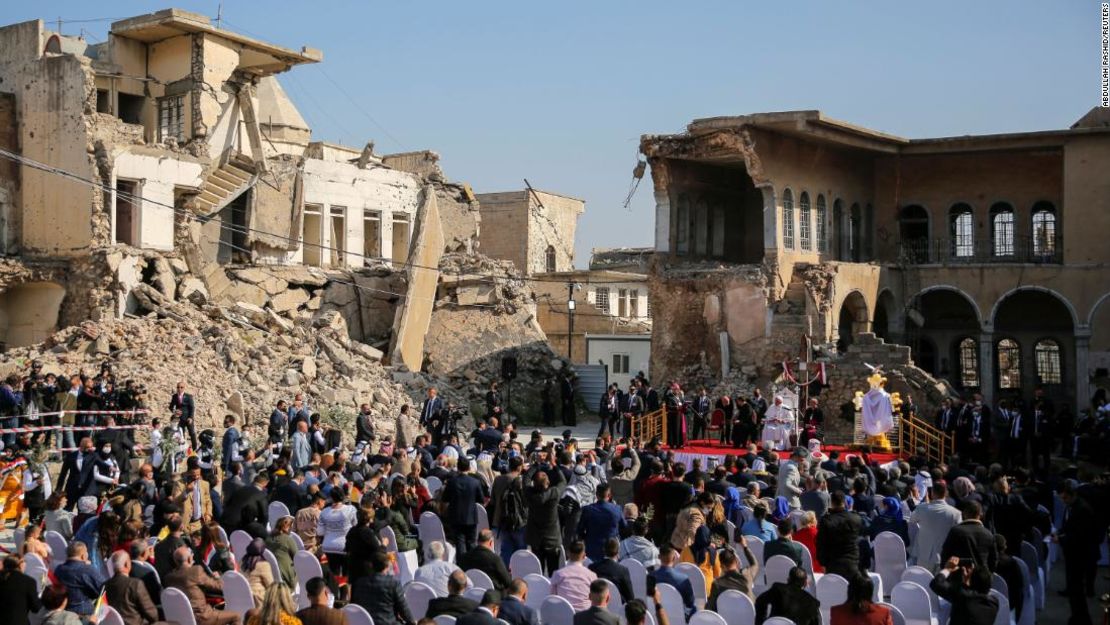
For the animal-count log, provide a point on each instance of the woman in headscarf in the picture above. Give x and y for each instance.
(258, 571)
(693, 538)
(890, 519)
(284, 548)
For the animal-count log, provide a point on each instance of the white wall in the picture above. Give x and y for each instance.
(637, 347)
(157, 176)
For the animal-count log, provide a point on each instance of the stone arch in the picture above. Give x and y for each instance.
(29, 313)
(1063, 300)
(940, 319)
(1054, 319)
(853, 318)
(884, 322)
(948, 287)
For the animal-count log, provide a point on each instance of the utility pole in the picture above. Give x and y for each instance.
(570, 322)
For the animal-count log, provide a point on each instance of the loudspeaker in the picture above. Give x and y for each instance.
(508, 367)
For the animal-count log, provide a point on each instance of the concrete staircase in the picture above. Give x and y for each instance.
(224, 184)
(794, 319)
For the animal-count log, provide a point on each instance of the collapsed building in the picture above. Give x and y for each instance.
(968, 264)
(167, 167)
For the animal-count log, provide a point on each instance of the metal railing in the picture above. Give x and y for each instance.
(948, 252)
(649, 425)
(917, 434)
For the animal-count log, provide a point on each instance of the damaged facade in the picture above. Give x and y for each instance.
(166, 167)
(777, 225)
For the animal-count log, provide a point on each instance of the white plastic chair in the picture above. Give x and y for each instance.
(1003, 617)
(407, 564)
(19, 535)
(307, 566)
(1036, 574)
(431, 528)
(672, 603)
(297, 540)
(143, 566)
(357, 615)
(239, 541)
(832, 590)
(475, 594)
(756, 545)
(877, 581)
(556, 610)
(890, 559)
(418, 596)
(778, 569)
(778, 620)
(276, 511)
(524, 563)
(896, 616)
(176, 607)
(736, 607)
(914, 602)
(33, 558)
(1028, 603)
(483, 518)
(539, 587)
(706, 617)
(479, 579)
(922, 577)
(391, 539)
(616, 602)
(697, 580)
(730, 527)
(58, 546)
(999, 584)
(237, 592)
(111, 617)
(434, 485)
(443, 619)
(272, 559)
(38, 572)
(638, 573)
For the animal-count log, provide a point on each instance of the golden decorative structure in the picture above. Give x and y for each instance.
(649, 425)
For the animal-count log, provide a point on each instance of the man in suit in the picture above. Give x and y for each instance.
(514, 610)
(302, 450)
(607, 411)
(233, 481)
(947, 417)
(128, 595)
(231, 445)
(485, 613)
(934, 519)
(197, 584)
(195, 501)
(183, 407)
(248, 509)
(784, 545)
(493, 401)
(838, 538)
(790, 478)
(164, 550)
(486, 560)
(666, 574)
(967, 588)
(460, 494)
(19, 594)
(733, 577)
(318, 612)
(1043, 426)
(76, 476)
(432, 406)
(599, 522)
(608, 568)
(542, 497)
(970, 539)
(977, 430)
(596, 614)
(789, 600)
(454, 604)
(1079, 540)
(82, 580)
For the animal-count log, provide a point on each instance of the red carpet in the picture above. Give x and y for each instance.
(713, 448)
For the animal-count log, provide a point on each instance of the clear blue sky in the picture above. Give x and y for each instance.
(559, 92)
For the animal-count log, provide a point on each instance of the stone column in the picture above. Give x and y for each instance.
(1082, 375)
(661, 183)
(986, 367)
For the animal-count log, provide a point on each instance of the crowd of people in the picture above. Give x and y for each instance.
(583, 512)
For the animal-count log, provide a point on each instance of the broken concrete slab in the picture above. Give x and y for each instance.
(192, 290)
(287, 300)
(415, 313)
(246, 292)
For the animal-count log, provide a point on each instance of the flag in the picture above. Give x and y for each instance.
(100, 608)
(822, 376)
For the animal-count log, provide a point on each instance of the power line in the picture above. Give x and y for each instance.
(361, 108)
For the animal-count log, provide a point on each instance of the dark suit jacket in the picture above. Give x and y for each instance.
(514, 612)
(73, 481)
(477, 617)
(596, 616)
(970, 539)
(487, 562)
(150, 582)
(968, 607)
(785, 600)
(322, 615)
(130, 598)
(460, 494)
(20, 598)
(451, 605)
(247, 511)
(615, 572)
(187, 406)
(667, 575)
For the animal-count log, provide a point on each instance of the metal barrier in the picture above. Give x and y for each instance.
(915, 433)
(649, 425)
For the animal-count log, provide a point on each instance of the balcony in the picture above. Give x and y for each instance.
(1026, 250)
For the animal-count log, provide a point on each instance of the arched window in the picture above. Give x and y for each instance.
(1009, 364)
(788, 219)
(969, 362)
(804, 225)
(1002, 229)
(1047, 354)
(913, 226)
(549, 258)
(962, 231)
(1044, 230)
(822, 219)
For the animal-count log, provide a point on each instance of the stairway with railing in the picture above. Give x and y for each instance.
(917, 434)
(649, 425)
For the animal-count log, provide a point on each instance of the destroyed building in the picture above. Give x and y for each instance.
(167, 167)
(977, 258)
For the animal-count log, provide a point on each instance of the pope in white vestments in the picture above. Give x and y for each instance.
(778, 424)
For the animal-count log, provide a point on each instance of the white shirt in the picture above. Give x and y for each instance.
(333, 526)
(435, 574)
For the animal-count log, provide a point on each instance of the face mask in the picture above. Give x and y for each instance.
(107, 451)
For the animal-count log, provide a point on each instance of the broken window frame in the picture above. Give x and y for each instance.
(804, 226)
(1044, 229)
(1002, 230)
(371, 254)
(682, 225)
(601, 298)
(634, 303)
(406, 220)
(1008, 354)
(337, 244)
(171, 118)
(961, 231)
(787, 219)
(968, 357)
(317, 211)
(1046, 355)
(822, 226)
(133, 199)
(622, 303)
(549, 259)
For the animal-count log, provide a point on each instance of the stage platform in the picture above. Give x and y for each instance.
(705, 449)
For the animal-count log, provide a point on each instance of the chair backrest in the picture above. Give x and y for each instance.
(483, 517)
(443, 619)
(778, 569)
(390, 537)
(539, 587)
(431, 528)
(237, 592)
(672, 602)
(1030, 557)
(239, 541)
(796, 517)
(143, 566)
(407, 563)
(434, 485)
(697, 579)
(730, 528)
(735, 607)
(276, 511)
(877, 581)
(111, 617)
(638, 573)
(176, 607)
(807, 563)
(890, 558)
(274, 567)
(832, 589)
(19, 535)
(912, 600)
(479, 579)
(922, 577)
(418, 596)
(1000, 584)
(896, 616)
(475, 594)
(755, 543)
(357, 615)
(32, 558)
(615, 599)
(37, 572)
(298, 541)
(556, 610)
(745, 514)
(223, 534)
(778, 620)
(707, 617)
(1003, 616)
(58, 545)
(523, 563)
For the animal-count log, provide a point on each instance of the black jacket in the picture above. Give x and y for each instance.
(477, 617)
(293, 495)
(514, 612)
(247, 511)
(543, 531)
(186, 405)
(596, 616)
(460, 493)
(968, 607)
(73, 481)
(19, 596)
(969, 539)
(380, 595)
(789, 601)
(838, 543)
(451, 605)
(361, 543)
(487, 562)
(615, 572)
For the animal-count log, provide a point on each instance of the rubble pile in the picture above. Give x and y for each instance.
(738, 382)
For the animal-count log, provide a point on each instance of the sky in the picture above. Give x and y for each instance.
(560, 92)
